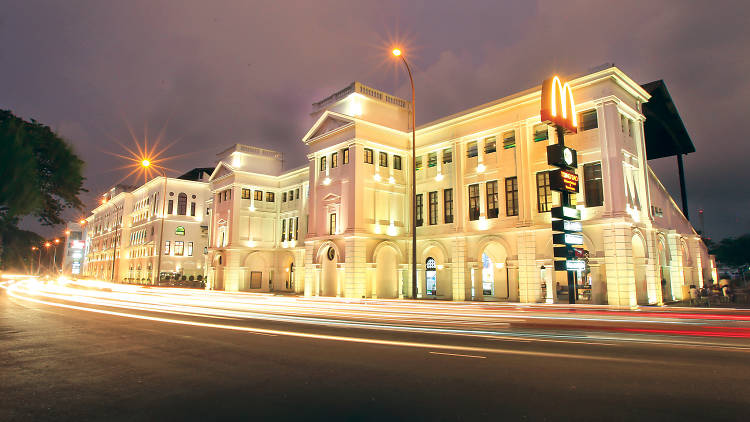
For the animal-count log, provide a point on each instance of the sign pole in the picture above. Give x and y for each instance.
(565, 202)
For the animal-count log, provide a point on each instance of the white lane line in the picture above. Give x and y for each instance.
(459, 355)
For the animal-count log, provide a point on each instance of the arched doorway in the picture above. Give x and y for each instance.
(664, 273)
(430, 277)
(256, 272)
(329, 275)
(494, 272)
(639, 269)
(218, 282)
(443, 288)
(386, 273)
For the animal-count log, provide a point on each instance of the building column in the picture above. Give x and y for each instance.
(676, 274)
(458, 268)
(618, 258)
(355, 271)
(653, 282)
(529, 280)
(309, 274)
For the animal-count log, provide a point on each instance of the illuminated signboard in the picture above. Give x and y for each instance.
(77, 244)
(179, 231)
(562, 156)
(558, 107)
(570, 265)
(565, 213)
(567, 239)
(568, 252)
(567, 226)
(563, 181)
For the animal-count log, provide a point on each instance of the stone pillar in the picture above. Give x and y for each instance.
(618, 258)
(355, 271)
(232, 271)
(653, 282)
(529, 281)
(309, 287)
(458, 268)
(676, 275)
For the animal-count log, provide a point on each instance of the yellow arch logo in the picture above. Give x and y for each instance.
(558, 106)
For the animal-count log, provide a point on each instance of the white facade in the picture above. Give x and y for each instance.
(485, 226)
(127, 225)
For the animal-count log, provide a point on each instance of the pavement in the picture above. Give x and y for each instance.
(102, 352)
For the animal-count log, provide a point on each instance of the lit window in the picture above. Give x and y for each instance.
(258, 195)
(332, 223)
(433, 208)
(541, 133)
(509, 139)
(511, 196)
(490, 145)
(190, 249)
(471, 149)
(447, 155)
(166, 247)
(368, 156)
(383, 159)
(474, 202)
(345, 155)
(179, 248)
(323, 163)
(492, 200)
(543, 192)
(397, 162)
(418, 211)
(334, 160)
(432, 159)
(418, 163)
(270, 197)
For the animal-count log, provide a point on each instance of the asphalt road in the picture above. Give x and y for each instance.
(60, 363)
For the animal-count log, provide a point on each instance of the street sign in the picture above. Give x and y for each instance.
(562, 157)
(563, 181)
(567, 226)
(570, 265)
(565, 213)
(568, 252)
(567, 239)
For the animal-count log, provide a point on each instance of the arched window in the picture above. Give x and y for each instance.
(181, 204)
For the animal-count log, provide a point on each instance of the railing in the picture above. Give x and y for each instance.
(364, 90)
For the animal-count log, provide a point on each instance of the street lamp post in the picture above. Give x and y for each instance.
(398, 53)
(54, 256)
(146, 164)
(46, 245)
(31, 261)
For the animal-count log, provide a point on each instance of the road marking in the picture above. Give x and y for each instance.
(459, 355)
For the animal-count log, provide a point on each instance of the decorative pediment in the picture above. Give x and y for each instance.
(332, 197)
(327, 123)
(221, 170)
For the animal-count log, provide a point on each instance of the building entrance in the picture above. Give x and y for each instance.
(431, 277)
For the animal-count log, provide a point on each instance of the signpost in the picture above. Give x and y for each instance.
(559, 111)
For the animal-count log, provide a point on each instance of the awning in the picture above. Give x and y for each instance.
(666, 135)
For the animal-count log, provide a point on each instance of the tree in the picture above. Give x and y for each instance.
(41, 174)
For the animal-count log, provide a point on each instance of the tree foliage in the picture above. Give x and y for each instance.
(732, 251)
(17, 254)
(41, 175)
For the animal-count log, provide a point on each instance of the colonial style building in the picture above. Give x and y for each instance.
(124, 231)
(341, 225)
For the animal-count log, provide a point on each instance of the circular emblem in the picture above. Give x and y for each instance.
(331, 254)
(568, 156)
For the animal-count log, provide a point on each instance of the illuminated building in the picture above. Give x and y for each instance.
(482, 206)
(127, 225)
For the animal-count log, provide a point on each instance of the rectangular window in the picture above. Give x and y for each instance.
(588, 120)
(270, 197)
(432, 159)
(397, 162)
(418, 211)
(474, 202)
(471, 149)
(448, 205)
(631, 127)
(334, 160)
(623, 123)
(368, 156)
(166, 247)
(418, 163)
(179, 248)
(245, 193)
(433, 208)
(296, 228)
(283, 197)
(345, 156)
(192, 209)
(492, 201)
(283, 230)
(170, 206)
(541, 133)
(296, 193)
(332, 223)
(543, 192)
(511, 196)
(323, 163)
(289, 229)
(383, 159)
(258, 195)
(190, 249)
(447, 155)
(592, 184)
(489, 145)
(509, 139)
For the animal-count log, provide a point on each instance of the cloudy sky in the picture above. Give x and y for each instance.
(214, 73)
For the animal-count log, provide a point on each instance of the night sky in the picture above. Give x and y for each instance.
(211, 74)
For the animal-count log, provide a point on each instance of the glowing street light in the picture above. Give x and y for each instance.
(397, 53)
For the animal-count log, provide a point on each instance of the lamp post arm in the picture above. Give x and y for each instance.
(413, 184)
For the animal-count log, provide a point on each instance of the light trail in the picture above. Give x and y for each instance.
(594, 325)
